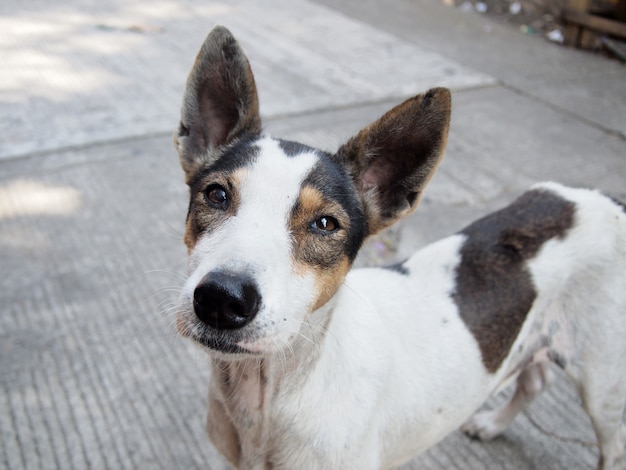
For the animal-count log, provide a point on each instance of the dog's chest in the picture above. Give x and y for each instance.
(260, 442)
(242, 387)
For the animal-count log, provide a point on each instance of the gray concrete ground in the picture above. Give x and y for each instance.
(92, 203)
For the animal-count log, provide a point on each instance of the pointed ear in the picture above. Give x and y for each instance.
(392, 160)
(220, 102)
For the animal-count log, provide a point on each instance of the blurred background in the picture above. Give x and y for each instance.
(92, 200)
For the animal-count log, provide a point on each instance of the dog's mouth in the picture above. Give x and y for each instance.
(219, 345)
(211, 339)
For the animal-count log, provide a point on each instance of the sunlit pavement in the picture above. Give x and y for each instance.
(92, 201)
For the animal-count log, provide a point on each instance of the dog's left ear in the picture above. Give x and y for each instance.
(393, 159)
(220, 102)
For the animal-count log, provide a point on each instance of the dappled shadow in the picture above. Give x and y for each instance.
(79, 73)
(74, 73)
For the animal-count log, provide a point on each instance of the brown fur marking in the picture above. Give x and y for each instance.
(323, 254)
(202, 217)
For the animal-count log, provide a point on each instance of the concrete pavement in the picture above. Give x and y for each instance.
(92, 203)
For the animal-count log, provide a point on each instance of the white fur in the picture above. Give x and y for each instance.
(387, 367)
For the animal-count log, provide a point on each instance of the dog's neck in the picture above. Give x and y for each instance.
(243, 391)
(237, 409)
(253, 379)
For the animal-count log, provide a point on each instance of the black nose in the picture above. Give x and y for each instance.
(226, 301)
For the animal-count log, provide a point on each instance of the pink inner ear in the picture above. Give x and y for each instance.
(218, 110)
(368, 180)
(378, 174)
(217, 132)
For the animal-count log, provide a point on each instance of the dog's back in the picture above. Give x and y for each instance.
(541, 280)
(577, 287)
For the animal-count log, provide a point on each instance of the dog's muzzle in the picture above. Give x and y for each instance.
(226, 301)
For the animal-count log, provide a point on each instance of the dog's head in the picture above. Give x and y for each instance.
(274, 226)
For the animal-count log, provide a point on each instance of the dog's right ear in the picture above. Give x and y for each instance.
(220, 102)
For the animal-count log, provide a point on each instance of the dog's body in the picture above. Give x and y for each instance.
(316, 366)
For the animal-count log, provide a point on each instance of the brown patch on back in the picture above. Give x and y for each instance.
(325, 255)
(494, 289)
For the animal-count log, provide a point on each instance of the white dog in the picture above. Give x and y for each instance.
(315, 366)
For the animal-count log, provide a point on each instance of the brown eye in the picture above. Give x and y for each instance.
(325, 224)
(216, 196)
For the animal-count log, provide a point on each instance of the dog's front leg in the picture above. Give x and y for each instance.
(221, 430)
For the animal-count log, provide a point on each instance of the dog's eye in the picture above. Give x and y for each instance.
(217, 196)
(325, 224)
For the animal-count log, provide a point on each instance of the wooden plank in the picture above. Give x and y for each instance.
(579, 5)
(572, 30)
(596, 23)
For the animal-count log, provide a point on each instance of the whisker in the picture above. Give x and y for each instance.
(175, 274)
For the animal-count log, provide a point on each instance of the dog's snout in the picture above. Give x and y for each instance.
(226, 301)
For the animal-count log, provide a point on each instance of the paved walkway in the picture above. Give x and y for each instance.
(92, 373)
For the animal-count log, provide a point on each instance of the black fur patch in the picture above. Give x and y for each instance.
(494, 289)
(241, 154)
(399, 268)
(619, 203)
(292, 149)
(238, 155)
(333, 181)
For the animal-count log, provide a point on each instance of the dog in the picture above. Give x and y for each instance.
(317, 366)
